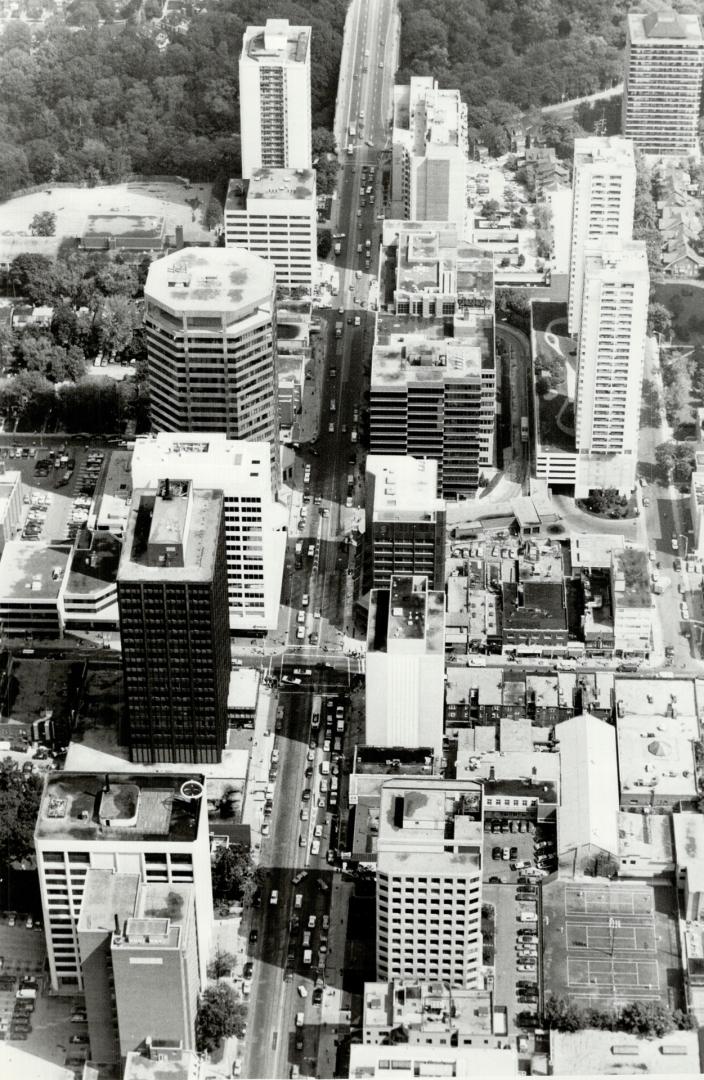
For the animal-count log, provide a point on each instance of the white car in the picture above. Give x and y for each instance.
(303, 991)
(315, 847)
(300, 633)
(316, 614)
(318, 832)
(310, 755)
(274, 898)
(301, 618)
(305, 600)
(266, 828)
(684, 611)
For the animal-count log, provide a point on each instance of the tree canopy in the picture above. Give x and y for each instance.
(506, 56)
(220, 1015)
(86, 102)
(19, 804)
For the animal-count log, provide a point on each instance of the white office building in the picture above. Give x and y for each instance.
(405, 684)
(255, 524)
(154, 825)
(429, 153)
(610, 364)
(275, 114)
(429, 881)
(273, 214)
(210, 320)
(603, 194)
(663, 82)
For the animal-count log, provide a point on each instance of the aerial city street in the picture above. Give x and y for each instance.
(351, 540)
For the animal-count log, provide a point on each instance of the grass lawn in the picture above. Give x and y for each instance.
(685, 302)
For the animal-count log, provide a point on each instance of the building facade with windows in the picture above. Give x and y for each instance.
(154, 826)
(433, 376)
(429, 153)
(405, 531)
(174, 626)
(611, 353)
(429, 881)
(275, 112)
(603, 196)
(663, 82)
(255, 523)
(274, 214)
(210, 323)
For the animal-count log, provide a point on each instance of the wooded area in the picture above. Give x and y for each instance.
(102, 102)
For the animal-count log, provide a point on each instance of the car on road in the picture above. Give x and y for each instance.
(248, 970)
(677, 563)
(306, 794)
(253, 936)
(318, 995)
(305, 600)
(674, 542)
(684, 611)
(309, 772)
(303, 991)
(331, 426)
(318, 831)
(316, 614)
(274, 898)
(79, 1016)
(315, 847)
(304, 814)
(301, 617)
(311, 755)
(266, 828)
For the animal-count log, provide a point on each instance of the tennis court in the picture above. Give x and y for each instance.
(607, 943)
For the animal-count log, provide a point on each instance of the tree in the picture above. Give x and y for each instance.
(514, 306)
(116, 322)
(491, 208)
(676, 460)
(43, 224)
(562, 1015)
(324, 243)
(220, 1015)
(659, 320)
(649, 1018)
(234, 875)
(20, 794)
(221, 965)
(34, 276)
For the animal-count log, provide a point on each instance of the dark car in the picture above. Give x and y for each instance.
(514, 853)
(248, 969)
(309, 771)
(496, 880)
(317, 995)
(253, 937)
(496, 853)
(306, 794)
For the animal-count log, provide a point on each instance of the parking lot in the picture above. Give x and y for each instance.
(514, 892)
(56, 497)
(42, 1026)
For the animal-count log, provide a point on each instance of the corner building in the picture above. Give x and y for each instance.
(429, 881)
(211, 345)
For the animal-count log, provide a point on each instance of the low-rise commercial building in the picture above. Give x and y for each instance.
(534, 617)
(32, 580)
(656, 730)
(603, 1053)
(430, 1013)
(374, 1062)
(587, 822)
(632, 602)
(89, 597)
(405, 664)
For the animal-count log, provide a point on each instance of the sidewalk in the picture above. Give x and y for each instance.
(259, 765)
(335, 1009)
